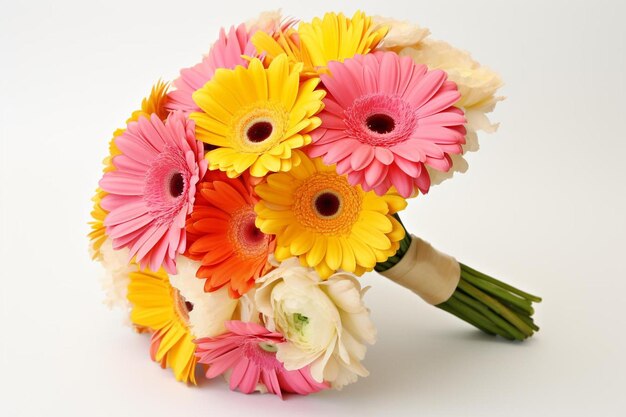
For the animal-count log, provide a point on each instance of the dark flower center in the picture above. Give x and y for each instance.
(252, 233)
(327, 204)
(177, 185)
(380, 123)
(259, 131)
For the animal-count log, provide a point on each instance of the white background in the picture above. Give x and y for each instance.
(542, 206)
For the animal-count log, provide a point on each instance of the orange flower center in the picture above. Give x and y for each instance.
(326, 203)
(247, 240)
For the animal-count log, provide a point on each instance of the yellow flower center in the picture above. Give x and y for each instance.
(326, 203)
(258, 127)
(181, 306)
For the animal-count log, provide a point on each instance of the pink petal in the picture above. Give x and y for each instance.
(439, 102)
(250, 379)
(447, 118)
(129, 226)
(389, 73)
(402, 182)
(224, 363)
(361, 157)
(384, 155)
(419, 93)
(123, 183)
(437, 134)
(409, 150)
(239, 372)
(441, 164)
(423, 181)
(411, 168)
(270, 380)
(129, 211)
(375, 173)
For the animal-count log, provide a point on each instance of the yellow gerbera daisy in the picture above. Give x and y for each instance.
(335, 37)
(257, 116)
(154, 103)
(328, 223)
(159, 307)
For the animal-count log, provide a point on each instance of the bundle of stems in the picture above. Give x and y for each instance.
(489, 304)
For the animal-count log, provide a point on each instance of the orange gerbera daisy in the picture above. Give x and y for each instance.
(223, 236)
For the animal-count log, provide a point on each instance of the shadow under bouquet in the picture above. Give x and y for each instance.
(239, 206)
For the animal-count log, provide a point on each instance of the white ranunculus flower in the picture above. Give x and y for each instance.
(401, 33)
(208, 310)
(477, 84)
(116, 277)
(325, 323)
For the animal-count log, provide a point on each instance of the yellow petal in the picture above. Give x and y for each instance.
(281, 253)
(209, 105)
(243, 162)
(323, 270)
(376, 220)
(302, 243)
(304, 170)
(371, 236)
(398, 232)
(284, 182)
(278, 77)
(317, 252)
(288, 235)
(396, 203)
(363, 254)
(257, 169)
(272, 195)
(348, 262)
(270, 162)
(285, 165)
(333, 253)
(375, 203)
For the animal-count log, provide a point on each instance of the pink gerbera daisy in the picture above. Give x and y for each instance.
(385, 118)
(249, 350)
(152, 189)
(226, 53)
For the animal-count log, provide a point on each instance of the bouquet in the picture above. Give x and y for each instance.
(239, 206)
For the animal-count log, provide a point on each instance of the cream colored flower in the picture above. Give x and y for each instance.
(477, 84)
(401, 33)
(115, 280)
(268, 21)
(325, 323)
(207, 310)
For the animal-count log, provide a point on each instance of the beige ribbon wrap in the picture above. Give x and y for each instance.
(427, 272)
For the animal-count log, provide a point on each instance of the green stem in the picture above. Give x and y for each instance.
(496, 306)
(472, 314)
(496, 291)
(494, 318)
(452, 311)
(499, 283)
